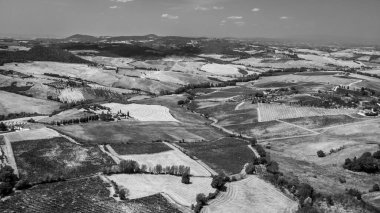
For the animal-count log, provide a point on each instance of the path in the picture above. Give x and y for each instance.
(309, 130)
(239, 105)
(254, 151)
(114, 157)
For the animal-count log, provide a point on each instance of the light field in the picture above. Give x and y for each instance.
(251, 195)
(269, 112)
(142, 185)
(221, 69)
(35, 134)
(143, 112)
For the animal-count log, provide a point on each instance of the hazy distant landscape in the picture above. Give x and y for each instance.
(212, 106)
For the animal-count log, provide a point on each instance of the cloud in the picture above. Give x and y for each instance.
(256, 9)
(200, 8)
(168, 16)
(123, 1)
(239, 23)
(218, 8)
(284, 17)
(114, 7)
(235, 17)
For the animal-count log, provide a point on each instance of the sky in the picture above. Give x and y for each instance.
(210, 18)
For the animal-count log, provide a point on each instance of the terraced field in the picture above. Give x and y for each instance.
(251, 195)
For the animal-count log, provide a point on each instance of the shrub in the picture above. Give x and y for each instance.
(356, 193)
(23, 184)
(273, 167)
(7, 175)
(201, 198)
(375, 188)
(5, 189)
(250, 168)
(304, 191)
(260, 150)
(321, 154)
(123, 193)
(376, 155)
(185, 178)
(218, 182)
(253, 141)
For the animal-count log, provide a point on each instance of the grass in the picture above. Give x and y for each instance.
(86, 195)
(140, 148)
(227, 155)
(57, 157)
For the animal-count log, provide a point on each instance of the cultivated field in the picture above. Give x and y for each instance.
(270, 112)
(227, 155)
(221, 69)
(66, 115)
(139, 148)
(140, 132)
(321, 121)
(71, 95)
(57, 157)
(142, 185)
(14, 103)
(251, 195)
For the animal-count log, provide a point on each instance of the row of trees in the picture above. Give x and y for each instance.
(78, 120)
(133, 167)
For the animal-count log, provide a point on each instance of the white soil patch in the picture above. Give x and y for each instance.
(142, 185)
(71, 95)
(143, 112)
(251, 195)
(222, 69)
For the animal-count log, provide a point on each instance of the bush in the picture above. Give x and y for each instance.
(253, 142)
(123, 193)
(260, 150)
(219, 182)
(375, 188)
(201, 198)
(273, 167)
(5, 189)
(250, 168)
(304, 191)
(185, 178)
(321, 154)
(356, 193)
(23, 184)
(7, 175)
(376, 155)
(365, 163)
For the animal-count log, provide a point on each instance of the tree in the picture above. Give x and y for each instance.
(5, 189)
(7, 175)
(3, 127)
(123, 193)
(321, 154)
(218, 182)
(201, 198)
(375, 188)
(185, 178)
(376, 155)
(273, 167)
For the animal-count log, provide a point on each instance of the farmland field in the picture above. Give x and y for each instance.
(251, 195)
(14, 103)
(34, 134)
(227, 155)
(321, 121)
(139, 132)
(139, 148)
(269, 112)
(142, 185)
(86, 195)
(56, 157)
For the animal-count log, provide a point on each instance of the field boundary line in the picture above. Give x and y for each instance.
(239, 105)
(114, 158)
(290, 137)
(298, 126)
(254, 151)
(200, 162)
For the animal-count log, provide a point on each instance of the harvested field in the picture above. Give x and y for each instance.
(269, 112)
(251, 195)
(14, 103)
(34, 134)
(221, 69)
(56, 157)
(168, 158)
(139, 132)
(227, 155)
(139, 148)
(143, 112)
(142, 185)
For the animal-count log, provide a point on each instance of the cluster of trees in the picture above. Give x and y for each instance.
(366, 163)
(17, 115)
(321, 153)
(78, 120)
(122, 193)
(3, 127)
(133, 167)
(7, 180)
(218, 183)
